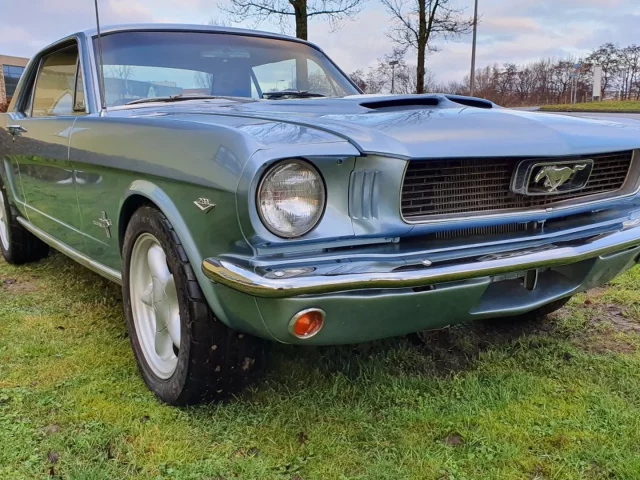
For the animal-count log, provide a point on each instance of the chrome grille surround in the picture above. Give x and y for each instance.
(438, 190)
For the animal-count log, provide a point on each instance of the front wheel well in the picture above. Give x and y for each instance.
(129, 207)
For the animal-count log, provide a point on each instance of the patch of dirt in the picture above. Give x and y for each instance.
(595, 293)
(453, 440)
(243, 452)
(17, 286)
(302, 438)
(605, 324)
(52, 429)
(617, 317)
(53, 457)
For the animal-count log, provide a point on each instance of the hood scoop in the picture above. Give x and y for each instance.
(411, 102)
(402, 103)
(471, 101)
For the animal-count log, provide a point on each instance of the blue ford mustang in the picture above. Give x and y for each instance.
(241, 189)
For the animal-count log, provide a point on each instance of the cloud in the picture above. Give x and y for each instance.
(48, 21)
(510, 30)
(510, 24)
(355, 44)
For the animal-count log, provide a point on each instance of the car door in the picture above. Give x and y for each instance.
(41, 132)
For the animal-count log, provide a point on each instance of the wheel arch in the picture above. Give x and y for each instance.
(131, 203)
(144, 192)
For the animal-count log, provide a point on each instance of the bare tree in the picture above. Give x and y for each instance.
(218, 22)
(380, 77)
(204, 81)
(418, 22)
(123, 73)
(300, 10)
(607, 56)
(629, 71)
(358, 77)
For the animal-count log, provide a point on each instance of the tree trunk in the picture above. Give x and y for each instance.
(422, 44)
(300, 9)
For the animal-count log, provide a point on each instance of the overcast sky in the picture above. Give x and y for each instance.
(511, 30)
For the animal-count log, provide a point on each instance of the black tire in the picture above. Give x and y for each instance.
(214, 361)
(23, 246)
(542, 312)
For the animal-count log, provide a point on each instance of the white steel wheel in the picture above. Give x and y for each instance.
(4, 223)
(154, 306)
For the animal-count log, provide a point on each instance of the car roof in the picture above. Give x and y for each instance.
(184, 27)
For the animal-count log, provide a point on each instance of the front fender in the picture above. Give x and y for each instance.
(235, 310)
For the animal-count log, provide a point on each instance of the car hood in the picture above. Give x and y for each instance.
(423, 126)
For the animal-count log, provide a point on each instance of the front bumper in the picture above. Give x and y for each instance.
(366, 306)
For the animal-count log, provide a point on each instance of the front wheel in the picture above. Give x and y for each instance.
(184, 353)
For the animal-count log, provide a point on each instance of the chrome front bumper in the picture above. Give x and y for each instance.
(554, 254)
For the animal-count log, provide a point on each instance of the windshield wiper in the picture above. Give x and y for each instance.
(171, 98)
(291, 93)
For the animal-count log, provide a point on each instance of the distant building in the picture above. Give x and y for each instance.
(11, 69)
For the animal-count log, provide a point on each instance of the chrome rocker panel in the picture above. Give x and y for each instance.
(82, 259)
(239, 278)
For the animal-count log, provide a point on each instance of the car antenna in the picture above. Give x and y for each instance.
(101, 63)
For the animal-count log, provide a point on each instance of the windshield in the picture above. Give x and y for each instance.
(140, 65)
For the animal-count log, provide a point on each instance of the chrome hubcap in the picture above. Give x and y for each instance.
(4, 224)
(154, 304)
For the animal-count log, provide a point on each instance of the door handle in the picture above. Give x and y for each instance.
(16, 130)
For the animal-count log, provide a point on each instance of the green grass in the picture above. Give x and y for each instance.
(605, 106)
(554, 400)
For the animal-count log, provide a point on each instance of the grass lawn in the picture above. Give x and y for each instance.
(558, 399)
(605, 106)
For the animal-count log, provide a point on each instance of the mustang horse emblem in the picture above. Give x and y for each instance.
(555, 177)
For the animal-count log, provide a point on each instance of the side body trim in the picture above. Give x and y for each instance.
(82, 259)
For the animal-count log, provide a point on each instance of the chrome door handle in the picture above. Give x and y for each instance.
(16, 130)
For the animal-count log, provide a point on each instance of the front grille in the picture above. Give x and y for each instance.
(482, 231)
(476, 185)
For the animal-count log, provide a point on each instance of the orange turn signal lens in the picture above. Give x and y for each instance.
(307, 323)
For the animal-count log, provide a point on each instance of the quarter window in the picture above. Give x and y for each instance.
(56, 84)
(79, 105)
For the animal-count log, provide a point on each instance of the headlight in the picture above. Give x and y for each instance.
(291, 198)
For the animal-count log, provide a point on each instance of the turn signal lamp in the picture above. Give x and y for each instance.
(307, 323)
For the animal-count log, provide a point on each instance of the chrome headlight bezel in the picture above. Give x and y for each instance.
(317, 218)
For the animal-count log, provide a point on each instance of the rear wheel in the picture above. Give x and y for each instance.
(18, 245)
(184, 353)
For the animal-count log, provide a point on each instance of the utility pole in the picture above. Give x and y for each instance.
(472, 86)
(393, 64)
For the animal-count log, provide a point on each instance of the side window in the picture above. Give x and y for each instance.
(56, 84)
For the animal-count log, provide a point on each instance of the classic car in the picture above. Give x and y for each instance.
(242, 189)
